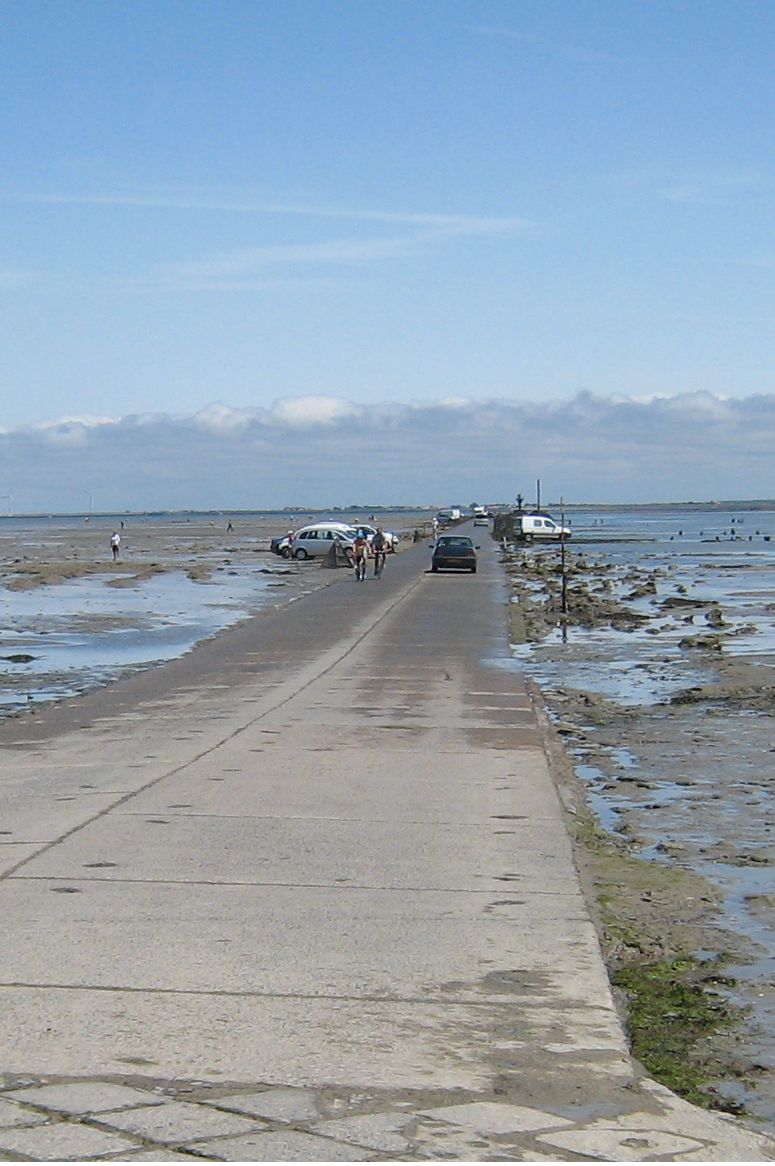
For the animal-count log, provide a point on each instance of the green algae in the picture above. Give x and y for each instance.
(674, 1012)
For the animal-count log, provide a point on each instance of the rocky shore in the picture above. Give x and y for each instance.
(667, 753)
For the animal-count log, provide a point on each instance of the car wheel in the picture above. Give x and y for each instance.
(473, 570)
(285, 552)
(300, 553)
(434, 568)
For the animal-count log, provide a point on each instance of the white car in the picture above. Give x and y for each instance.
(310, 542)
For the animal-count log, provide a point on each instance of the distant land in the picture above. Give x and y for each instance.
(745, 504)
(723, 504)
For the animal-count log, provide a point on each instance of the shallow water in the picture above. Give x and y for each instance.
(83, 632)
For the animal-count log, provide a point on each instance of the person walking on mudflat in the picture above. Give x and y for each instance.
(115, 543)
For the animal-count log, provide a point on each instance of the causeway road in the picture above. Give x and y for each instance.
(307, 894)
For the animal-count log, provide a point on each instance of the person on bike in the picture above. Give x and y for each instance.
(379, 550)
(360, 555)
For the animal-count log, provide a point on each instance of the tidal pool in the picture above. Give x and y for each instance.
(83, 632)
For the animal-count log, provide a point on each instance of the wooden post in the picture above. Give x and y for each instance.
(562, 564)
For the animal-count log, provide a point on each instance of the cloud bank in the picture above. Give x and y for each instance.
(322, 451)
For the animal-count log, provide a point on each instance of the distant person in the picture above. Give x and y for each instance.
(379, 548)
(229, 527)
(360, 555)
(115, 544)
(435, 525)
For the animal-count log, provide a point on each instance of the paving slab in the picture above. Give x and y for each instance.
(12, 1114)
(286, 1105)
(488, 1117)
(377, 1131)
(279, 1146)
(81, 1097)
(63, 1141)
(620, 1145)
(175, 1122)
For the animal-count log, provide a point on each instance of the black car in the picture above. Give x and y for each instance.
(454, 550)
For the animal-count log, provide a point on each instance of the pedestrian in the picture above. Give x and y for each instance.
(435, 525)
(230, 527)
(115, 543)
(379, 550)
(360, 555)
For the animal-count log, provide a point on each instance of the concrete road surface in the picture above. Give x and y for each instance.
(307, 894)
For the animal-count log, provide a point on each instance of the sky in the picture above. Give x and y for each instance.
(318, 251)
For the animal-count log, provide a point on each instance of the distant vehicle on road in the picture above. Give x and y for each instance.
(455, 551)
(449, 515)
(531, 527)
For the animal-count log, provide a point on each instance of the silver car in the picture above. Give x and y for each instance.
(313, 541)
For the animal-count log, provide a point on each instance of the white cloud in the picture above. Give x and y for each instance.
(247, 261)
(257, 266)
(325, 450)
(87, 420)
(312, 411)
(223, 418)
(241, 204)
(71, 430)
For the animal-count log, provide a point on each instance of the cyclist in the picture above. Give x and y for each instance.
(360, 555)
(379, 549)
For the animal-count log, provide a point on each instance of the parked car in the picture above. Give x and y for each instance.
(454, 550)
(276, 544)
(310, 542)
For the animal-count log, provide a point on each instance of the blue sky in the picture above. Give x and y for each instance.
(373, 202)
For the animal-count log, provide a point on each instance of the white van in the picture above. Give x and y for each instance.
(313, 541)
(539, 526)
